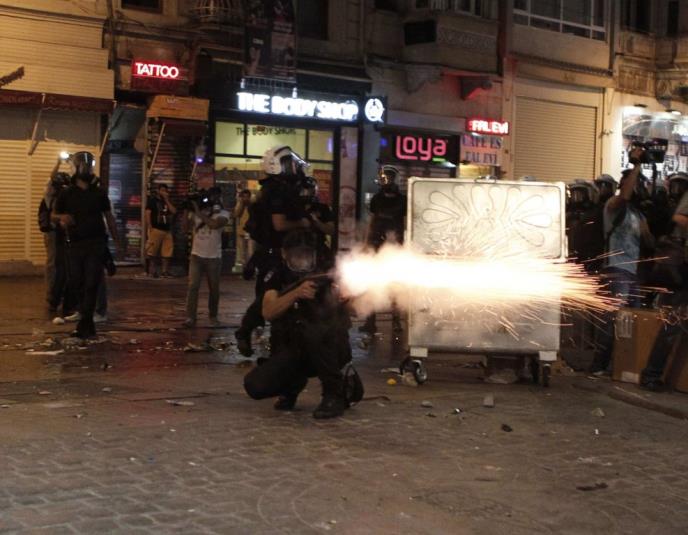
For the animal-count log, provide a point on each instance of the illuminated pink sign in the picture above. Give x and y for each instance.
(155, 70)
(487, 126)
(420, 148)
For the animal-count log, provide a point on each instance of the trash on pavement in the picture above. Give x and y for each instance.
(596, 486)
(389, 370)
(431, 415)
(488, 401)
(506, 376)
(507, 428)
(456, 411)
(427, 404)
(107, 389)
(180, 402)
(197, 348)
(408, 379)
(58, 321)
(391, 381)
(598, 412)
(45, 353)
(44, 393)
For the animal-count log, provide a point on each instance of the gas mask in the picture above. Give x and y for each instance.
(301, 260)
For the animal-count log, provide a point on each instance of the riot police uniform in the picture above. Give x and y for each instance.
(309, 339)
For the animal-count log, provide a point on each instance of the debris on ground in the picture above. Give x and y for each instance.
(506, 376)
(507, 428)
(45, 353)
(197, 348)
(44, 393)
(598, 412)
(488, 401)
(431, 415)
(391, 381)
(408, 379)
(456, 411)
(107, 389)
(596, 486)
(427, 404)
(389, 370)
(180, 402)
(58, 321)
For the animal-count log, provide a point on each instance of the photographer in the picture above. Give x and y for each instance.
(627, 235)
(159, 242)
(674, 303)
(309, 336)
(208, 219)
(80, 210)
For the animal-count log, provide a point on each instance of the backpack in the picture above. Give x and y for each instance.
(259, 222)
(44, 223)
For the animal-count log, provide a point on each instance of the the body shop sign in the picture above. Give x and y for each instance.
(420, 148)
(293, 106)
(158, 76)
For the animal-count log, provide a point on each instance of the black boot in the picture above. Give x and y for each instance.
(369, 326)
(330, 407)
(286, 403)
(243, 342)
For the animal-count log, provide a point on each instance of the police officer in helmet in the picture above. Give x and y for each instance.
(387, 215)
(277, 210)
(309, 333)
(320, 215)
(606, 187)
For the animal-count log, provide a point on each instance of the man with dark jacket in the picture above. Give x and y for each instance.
(83, 210)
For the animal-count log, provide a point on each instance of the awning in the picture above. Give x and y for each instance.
(53, 101)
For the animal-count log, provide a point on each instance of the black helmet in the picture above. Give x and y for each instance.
(84, 163)
(678, 185)
(387, 176)
(61, 180)
(582, 193)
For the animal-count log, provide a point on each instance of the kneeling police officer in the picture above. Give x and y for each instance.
(309, 334)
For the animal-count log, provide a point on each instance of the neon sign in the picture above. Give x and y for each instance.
(487, 126)
(420, 148)
(144, 69)
(298, 107)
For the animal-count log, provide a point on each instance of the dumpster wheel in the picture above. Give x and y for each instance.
(416, 367)
(541, 372)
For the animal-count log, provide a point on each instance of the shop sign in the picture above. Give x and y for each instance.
(298, 107)
(487, 126)
(481, 150)
(160, 77)
(418, 148)
(375, 110)
(195, 109)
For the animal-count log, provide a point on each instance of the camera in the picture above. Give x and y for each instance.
(653, 151)
(200, 197)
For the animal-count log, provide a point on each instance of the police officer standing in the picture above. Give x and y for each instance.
(321, 218)
(387, 215)
(584, 225)
(277, 210)
(80, 210)
(309, 333)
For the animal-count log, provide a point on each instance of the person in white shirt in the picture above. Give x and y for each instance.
(208, 219)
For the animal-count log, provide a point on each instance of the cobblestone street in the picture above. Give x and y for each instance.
(135, 435)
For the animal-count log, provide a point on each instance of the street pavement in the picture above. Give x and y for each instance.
(133, 434)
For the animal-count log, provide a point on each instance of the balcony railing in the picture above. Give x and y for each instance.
(217, 11)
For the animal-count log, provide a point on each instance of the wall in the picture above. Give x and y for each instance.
(344, 29)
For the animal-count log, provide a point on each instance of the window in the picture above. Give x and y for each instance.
(148, 5)
(635, 15)
(584, 18)
(474, 7)
(422, 31)
(672, 19)
(312, 19)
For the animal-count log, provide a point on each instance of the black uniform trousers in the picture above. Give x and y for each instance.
(85, 260)
(265, 261)
(314, 349)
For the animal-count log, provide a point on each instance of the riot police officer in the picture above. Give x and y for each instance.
(277, 210)
(606, 188)
(584, 224)
(320, 216)
(387, 215)
(309, 333)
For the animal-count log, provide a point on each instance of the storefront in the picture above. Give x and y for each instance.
(322, 128)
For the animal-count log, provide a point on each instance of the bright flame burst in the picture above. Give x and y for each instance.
(502, 282)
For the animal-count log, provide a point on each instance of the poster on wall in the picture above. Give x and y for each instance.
(346, 235)
(481, 150)
(270, 43)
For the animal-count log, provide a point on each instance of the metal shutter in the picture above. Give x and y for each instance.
(14, 185)
(554, 140)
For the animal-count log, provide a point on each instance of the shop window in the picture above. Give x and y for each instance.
(312, 19)
(320, 145)
(147, 5)
(260, 138)
(584, 18)
(229, 138)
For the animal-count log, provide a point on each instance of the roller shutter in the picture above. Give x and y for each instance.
(554, 140)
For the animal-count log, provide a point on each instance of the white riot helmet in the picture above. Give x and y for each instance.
(281, 160)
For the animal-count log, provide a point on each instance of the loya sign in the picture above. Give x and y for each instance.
(410, 147)
(420, 148)
(346, 111)
(487, 126)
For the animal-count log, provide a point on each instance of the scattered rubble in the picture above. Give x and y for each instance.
(488, 401)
